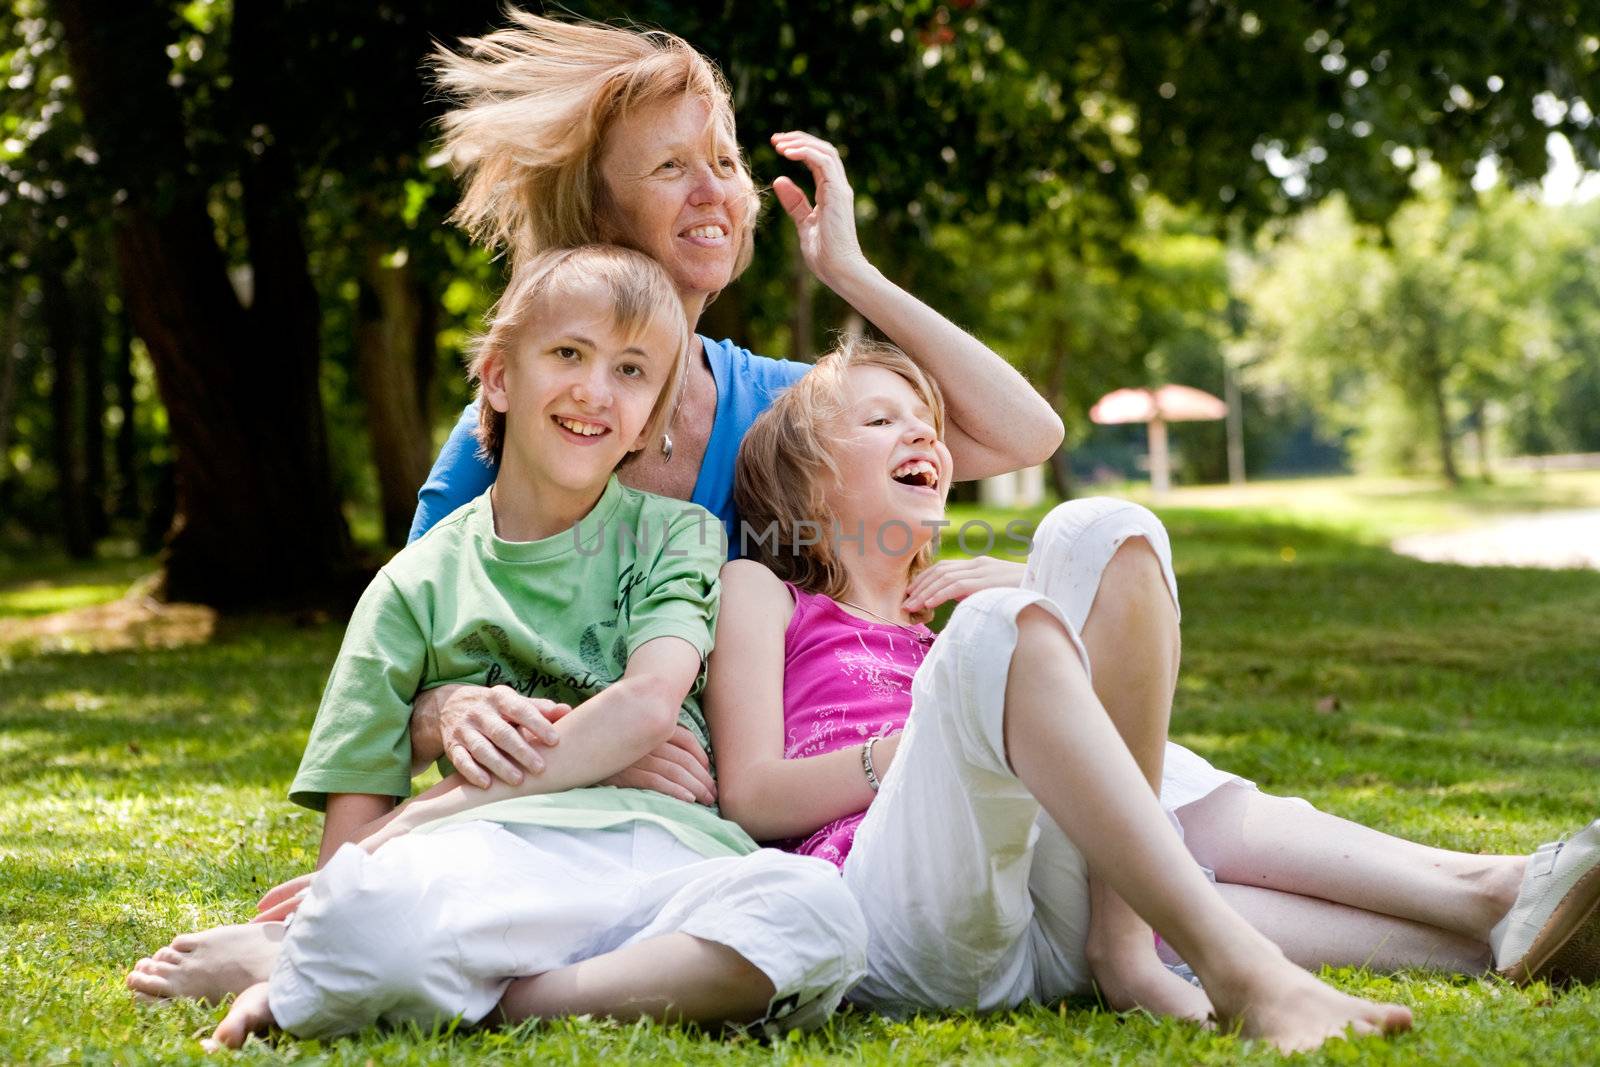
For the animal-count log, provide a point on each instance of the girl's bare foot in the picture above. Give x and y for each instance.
(1127, 985)
(210, 965)
(248, 1015)
(1297, 1012)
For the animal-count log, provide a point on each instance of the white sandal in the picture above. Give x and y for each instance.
(1553, 930)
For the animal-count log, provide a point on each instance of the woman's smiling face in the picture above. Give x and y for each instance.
(676, 191)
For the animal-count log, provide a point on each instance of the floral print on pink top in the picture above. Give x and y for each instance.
(844, 680)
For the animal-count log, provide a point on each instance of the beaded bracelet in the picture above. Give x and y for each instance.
(866, 763)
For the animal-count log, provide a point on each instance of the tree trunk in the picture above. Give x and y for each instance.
(726, 317)
(1480, 434)
(126, 446)
(426, 362)
(66, 407)
(162, 510)
(1061, 473)
(9, 349)
(1433, 371)
(1061, 458)
(387, 333)
(257, 516)
(89, 303)
(1235, 423)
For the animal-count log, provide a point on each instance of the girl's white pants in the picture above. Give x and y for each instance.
(434, 926)
(973, 896)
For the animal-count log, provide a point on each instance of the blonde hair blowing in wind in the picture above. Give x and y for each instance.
(785, 466)
(533, 105)
(640, 293)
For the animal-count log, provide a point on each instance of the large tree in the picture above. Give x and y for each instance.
(294, 91)
(1263, 106)
(256, 146)
(257, 514)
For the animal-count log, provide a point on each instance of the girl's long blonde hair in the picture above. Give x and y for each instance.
(784, 467)
(534, 102)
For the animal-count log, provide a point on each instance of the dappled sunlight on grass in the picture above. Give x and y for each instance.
(41, 582)
(1380, 509)
(130, 623)
(144, 795)
(42, 599)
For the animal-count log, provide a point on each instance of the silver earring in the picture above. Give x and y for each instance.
(666, 447)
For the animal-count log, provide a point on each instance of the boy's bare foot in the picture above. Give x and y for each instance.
(209, 965)
(1297, 1012)
(248, 1015)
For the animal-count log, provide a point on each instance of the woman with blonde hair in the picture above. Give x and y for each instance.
(570, 132)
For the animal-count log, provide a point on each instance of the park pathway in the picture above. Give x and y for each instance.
(1559, 539)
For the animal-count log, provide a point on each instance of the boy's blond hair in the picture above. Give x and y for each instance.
(641, 296)
(779, 488)
(534, 104)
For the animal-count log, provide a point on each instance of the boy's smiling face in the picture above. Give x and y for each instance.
(576, 390)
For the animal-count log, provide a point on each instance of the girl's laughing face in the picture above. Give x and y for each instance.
(894, 471)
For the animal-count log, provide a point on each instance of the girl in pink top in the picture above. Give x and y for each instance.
(845, 681)
(981, 790)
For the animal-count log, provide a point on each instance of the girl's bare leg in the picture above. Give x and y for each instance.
(1131, 635)
(676, 978)
(1316, 933)
(1254, 839)
(1064, 747)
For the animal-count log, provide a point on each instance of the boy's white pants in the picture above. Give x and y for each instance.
(973, 896)
(435, 925)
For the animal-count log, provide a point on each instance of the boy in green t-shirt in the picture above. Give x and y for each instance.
(554, 896)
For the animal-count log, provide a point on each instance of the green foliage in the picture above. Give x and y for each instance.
(144, 796)
(1263, 107)
(1556, 406)
(1063, 181)
(1456, 318)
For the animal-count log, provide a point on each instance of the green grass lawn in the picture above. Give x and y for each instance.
(143, 794)
(1380, 509)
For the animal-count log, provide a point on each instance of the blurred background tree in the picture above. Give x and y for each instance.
(232, 317)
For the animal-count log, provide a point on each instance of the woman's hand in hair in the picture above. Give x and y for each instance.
(957, 579)
(827, 228)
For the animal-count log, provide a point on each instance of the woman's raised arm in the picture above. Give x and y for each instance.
(998, 422)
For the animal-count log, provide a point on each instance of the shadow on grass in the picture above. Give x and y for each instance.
(37, 582)
(234, 711)
(144, 795)
(1495, 499)
(1312, 660)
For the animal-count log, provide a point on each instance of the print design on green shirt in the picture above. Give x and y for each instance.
(592, 650)
(491, 646)
(627, 581)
